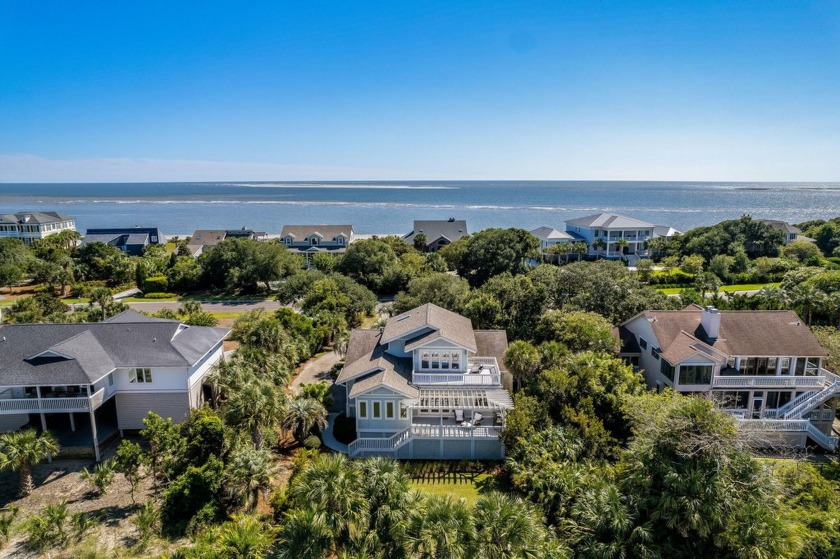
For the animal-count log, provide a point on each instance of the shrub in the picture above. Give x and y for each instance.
(48, 528)
(101, 477)
(160, 295)
(7, 518)
(147, 521)
(192, 499)
(155, 284)
(319, 391)
(312, 442)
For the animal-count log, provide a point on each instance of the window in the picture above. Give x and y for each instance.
(389, 410)
(444, 360)
(110, 379)
(808, 366)
(784, 398)
(403, 412)
(435, 360)
(772, 400)
(667, 370)
(655, 351)
(643, 343)
(140, 376)
(362, 409)
(734, 399)
(784, 368)
(696, 374)
(154, 238)
(456, 360)
(377, 410)
(340, 240)
(424, 360)
(314, 241)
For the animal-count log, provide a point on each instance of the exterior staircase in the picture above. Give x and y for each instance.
(790, 417)
(369, 446)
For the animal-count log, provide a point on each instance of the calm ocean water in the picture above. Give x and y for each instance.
(390, 207)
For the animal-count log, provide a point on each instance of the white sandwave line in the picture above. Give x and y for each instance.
(316, 186)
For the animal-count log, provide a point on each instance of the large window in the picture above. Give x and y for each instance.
(808, 366)
(377, 410)
(446, 360)
(643, 343)
(362, 409)
(738, 400)
(759, 366)
(389, 410)
(695, 374)
(667, 370)
(140, 376)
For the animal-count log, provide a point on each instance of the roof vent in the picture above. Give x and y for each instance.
(451, 220)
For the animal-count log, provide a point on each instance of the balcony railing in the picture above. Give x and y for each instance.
(72, 404)
(768, 381)
(481, 371)
(454, 432)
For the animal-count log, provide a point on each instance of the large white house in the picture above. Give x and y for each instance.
(607, 230)
(427, 386)
(764, 367)
(89, 381)
(34, 226)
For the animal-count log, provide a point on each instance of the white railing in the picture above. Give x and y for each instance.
(464, 379)
(379, 444)
(52, 405)
(453, 431)
(768, 381)
(486, 361)
(821, 438)
(789, 426)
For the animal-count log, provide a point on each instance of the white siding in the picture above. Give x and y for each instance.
(132, 408)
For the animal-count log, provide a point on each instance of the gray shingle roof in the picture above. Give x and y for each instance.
(33, 217)
(94, 349)
(435, 229)
(609, 221)
(551, 234)
(443, 323)
(329, 232)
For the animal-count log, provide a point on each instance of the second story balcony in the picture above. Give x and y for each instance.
(58, 402)
(769, 381)
(481, 371)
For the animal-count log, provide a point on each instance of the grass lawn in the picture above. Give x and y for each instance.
(459, 486)
(209, 297)
(144, 300)
(723, 288)
(670, 290)
(227, 315)
(461, 480)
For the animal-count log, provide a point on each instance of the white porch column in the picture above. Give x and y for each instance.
(43, 417)
(93, 432)
(72, 422)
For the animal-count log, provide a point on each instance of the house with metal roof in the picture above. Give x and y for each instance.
(311, 239)
(438, 233)
(427, 386)
(34, 226)
(763, 367)
(92, 381)
(605, 233)
(131, 240)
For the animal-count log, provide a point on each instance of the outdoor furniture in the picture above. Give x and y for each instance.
(476, 419)
(459, 416)
(466, 424)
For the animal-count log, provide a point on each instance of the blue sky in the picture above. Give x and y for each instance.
(595, 89)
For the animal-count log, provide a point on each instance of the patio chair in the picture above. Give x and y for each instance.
(476, 419)
(459, 416)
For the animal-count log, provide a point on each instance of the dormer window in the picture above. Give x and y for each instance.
(340, 240)
(314, 241)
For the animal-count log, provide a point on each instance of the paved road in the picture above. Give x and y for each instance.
(215, 306)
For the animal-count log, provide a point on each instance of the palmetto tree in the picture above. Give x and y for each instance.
(506, 528)
(303, 415)
(522, 359)
(387, 491)
(599, 245)
(621, 245)
(249, 475)
(102, 297)
(19, 450)
(244, 537)
(331, 483)
(580, 248)
(305, 535)
(256, 406)
(808, 299)
(442, 528)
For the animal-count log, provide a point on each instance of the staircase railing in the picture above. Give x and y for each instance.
(379, 444)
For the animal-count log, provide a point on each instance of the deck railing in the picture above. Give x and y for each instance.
(378, 444)
(464, 379)
(768, 381)
(72, 404)
(429, 431)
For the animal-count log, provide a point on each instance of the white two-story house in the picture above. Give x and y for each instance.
(90, 381)
(317, 238)
(30, 227)
(608, 229)
(427, 386)
(763, 367)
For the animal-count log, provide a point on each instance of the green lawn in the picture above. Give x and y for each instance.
(723, 288)
(461, 481)
(221, 315)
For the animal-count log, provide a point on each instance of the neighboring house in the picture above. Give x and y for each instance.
(438, 233)
(665, 231)
(427, 386)
(791, 233)
(203, 238)
(311, 239)
(763, 367)
(88, 382)
(131, 240)
(33, 226)
(548, 237)
(609, 229)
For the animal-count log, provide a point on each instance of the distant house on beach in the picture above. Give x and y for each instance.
(203, 238)
(438, 233)
(312, 239)
(34, 226)
(606, 232)
(791, 232)
(131, 240)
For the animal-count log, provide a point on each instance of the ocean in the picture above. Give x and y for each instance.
(391, 206)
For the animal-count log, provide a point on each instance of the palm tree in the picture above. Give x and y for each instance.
(506, 527)
(658, 246)
(305, 535)
(257, 406)
(621, 245)
(580, 248)
(387, 492)
(249, 475)
(303, 415)
(522, 359)
(560, 249)
(441, 528)
(599, 245)
(809, 299)
(332, 484)
(19, 450)
(244, 537)
(102, 297)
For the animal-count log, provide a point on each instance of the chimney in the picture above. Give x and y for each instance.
(710, 320)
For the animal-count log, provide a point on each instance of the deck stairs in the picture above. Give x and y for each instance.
(369, 446)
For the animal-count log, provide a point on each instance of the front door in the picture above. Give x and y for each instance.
(758, 403)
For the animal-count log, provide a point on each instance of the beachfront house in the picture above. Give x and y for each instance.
(437, 233)
(202, 239)
(131, 240)
(549, 237)
(312, 239)
(791, 232)
(89, 382)
(763, 367)
(605, 233)
(34, 226)
(427, 386)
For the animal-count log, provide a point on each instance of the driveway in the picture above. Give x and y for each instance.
(316, 370)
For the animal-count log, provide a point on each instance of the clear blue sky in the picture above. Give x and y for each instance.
(593, 89)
